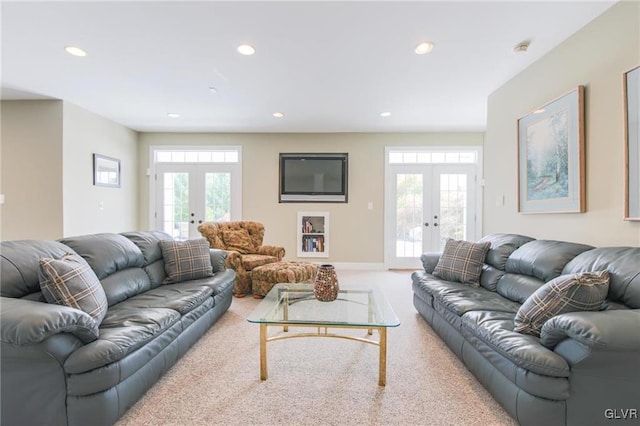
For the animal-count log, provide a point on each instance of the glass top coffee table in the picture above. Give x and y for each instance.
(361, 307)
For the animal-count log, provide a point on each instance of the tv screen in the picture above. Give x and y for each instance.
(313, 178)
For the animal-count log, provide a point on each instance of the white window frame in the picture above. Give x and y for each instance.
(151, 171)
(389, 167)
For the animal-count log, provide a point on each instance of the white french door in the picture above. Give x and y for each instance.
(425, 204)
(189, 194)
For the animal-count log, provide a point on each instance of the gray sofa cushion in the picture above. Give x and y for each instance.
(106, 253)
(518, 287)
(496, 329)
(123, 331)
(461, 298)
(19, 262)
(622, 265)
(502, 245)
(543, 259)
(148, 243)
(182, 297)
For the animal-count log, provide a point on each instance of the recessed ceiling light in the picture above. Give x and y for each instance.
(423, 48)
(278, 114)
(246, 49)
(385, 114)
(75, 51)
(213, 89)
(173, 115)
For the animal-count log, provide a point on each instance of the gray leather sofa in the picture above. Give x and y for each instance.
(584, 369)
(51, 375)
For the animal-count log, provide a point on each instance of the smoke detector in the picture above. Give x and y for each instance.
(522, 46)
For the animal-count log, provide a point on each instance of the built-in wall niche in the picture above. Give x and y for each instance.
(313, 234)
(315, 178)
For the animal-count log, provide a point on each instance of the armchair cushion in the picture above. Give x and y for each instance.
(238, 240)
(252, 261)
(567, 293)
(70, 281)
(186, 260)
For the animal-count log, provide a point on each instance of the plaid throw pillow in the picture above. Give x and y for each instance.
(70, 281)
(462, 261)
(566, 293)
(186, 260)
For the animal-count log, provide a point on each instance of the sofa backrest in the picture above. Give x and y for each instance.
(534, 264)
(19, 266)
(502, 245)
(214, 232)
(148, 243)
(623, 264)
(116, 261)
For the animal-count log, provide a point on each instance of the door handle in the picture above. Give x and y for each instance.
(199, 221)
(426, 224)
(192, 221)
(435, 224)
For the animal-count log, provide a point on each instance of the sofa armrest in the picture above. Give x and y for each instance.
(26, 322)
(233, 260)
(274, 251)
(218, 258)
(429, 261)
(615, 330)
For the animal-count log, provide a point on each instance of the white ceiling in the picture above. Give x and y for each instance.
(328, 66)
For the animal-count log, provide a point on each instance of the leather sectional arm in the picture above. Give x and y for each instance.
(429, 261)
(217, 259)
(26, 322)
(614, 330)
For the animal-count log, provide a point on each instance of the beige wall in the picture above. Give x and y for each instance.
(32, 169)
(595, 57)
(356, 233)
(47, 172)
(88, 208)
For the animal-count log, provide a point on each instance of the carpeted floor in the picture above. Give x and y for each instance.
(319, 381)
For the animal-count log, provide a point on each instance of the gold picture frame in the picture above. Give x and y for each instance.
(551, 157)
(631, 90)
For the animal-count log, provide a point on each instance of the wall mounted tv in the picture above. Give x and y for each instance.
(314, 178)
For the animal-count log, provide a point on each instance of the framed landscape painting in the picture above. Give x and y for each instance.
(631, 83)
(551, 159)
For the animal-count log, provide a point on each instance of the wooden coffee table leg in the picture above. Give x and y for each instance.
(382, 379)
(263, 351)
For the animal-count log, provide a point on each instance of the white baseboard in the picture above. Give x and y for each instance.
(364, 266)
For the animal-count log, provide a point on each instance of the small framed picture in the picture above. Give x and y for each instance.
(551, 159)
(106, 171)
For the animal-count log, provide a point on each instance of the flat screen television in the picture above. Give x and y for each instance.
(317, 178)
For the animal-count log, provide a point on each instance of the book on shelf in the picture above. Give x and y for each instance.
(308, 228)
(313, 244)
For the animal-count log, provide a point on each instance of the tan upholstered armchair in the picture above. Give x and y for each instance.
(243, 241)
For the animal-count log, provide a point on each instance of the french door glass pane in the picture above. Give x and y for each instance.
(218, 197)
(453, 207)
(409, 215)
(176, 205)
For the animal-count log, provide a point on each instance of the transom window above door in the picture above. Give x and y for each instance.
(433, 157)
(199, 156)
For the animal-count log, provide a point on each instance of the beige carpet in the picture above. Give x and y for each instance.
(320, 381)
